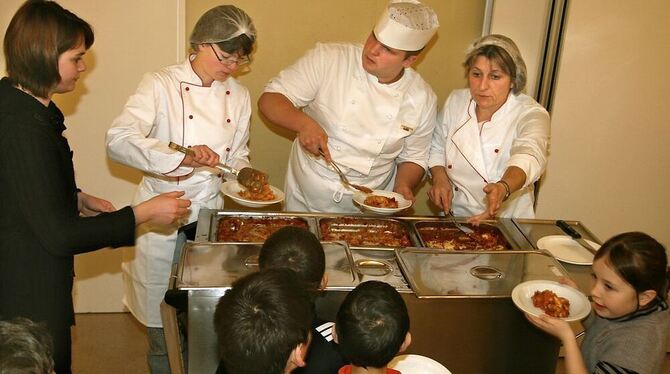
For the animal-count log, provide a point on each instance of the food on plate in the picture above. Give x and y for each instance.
(265, 194)
(444, 235)
(378, 201)
(253, 229)
(365, 232)
(551, 304)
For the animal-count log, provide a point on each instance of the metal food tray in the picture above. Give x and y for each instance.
(363, 223)
(510, 232)
(434, 273)
(208, 221)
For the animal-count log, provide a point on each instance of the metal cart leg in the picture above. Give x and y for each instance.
(172, 338)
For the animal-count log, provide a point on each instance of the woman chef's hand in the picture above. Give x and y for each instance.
(495, 195)
(313, 139)
(441, 193)
(90, 206)
(163, 209)
(203, 156)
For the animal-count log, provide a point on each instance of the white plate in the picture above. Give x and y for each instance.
(359, 197)
(232, 189)
(567, 250)
(522, 297)
(417, 364)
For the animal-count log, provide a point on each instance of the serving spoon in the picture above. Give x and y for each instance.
(343, 178)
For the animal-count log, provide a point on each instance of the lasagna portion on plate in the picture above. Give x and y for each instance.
(551, 304)
(378, 201)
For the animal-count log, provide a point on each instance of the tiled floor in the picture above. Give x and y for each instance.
(116, 343)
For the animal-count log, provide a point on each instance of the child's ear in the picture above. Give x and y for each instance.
(406, 343)
(324, 282)
(644, 298)
(334, 334)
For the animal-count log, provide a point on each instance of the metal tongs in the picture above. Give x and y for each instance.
(248, 177)
(343, 178)
(462, 228)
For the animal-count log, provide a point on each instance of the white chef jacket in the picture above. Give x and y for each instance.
(371, 126)
(172, 105)
(517, 135)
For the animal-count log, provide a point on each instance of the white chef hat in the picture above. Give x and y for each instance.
(508, 45)
(222, 23)
(406, 25)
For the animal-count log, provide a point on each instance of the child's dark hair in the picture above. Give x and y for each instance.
(297, 249)
(639, 259)
(372, 324)
(261, 319)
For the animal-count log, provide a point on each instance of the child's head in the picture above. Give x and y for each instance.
(263, 323)
(25, 347)
(297, 249)
(372, 325)
(630, 272)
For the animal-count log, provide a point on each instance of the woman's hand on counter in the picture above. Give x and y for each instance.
(90, 205)
(163, 209)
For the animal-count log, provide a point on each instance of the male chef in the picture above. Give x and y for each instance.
(361, 106)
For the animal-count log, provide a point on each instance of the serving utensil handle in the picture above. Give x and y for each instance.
(190, 152)
(568, 229)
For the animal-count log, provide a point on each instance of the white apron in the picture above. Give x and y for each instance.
(172, 106)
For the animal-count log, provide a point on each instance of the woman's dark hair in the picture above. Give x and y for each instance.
(241, 44)
(639, 259)
(37, 35)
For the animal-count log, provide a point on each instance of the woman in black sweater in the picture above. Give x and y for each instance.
(45, 219)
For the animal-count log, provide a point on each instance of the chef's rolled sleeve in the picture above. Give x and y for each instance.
(529, 150)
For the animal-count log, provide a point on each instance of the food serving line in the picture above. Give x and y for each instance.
(460, 302)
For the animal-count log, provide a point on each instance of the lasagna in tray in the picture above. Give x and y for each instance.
(444, 235)
(253, 229)
(365, 232)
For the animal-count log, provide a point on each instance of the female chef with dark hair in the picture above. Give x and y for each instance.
(45, 219)
(490, 142)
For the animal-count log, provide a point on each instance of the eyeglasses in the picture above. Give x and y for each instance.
(229, 60)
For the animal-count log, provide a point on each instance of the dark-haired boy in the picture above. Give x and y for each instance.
(371, 327)
(263, 323)
(298, 249)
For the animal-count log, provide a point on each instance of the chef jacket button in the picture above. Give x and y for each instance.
(227, 92)
(496, 150)
(353, 101)
(228, 120)
(187, 88)
(190, 116)
(389, 116)
(227, 149)
(449, 166)
(455, 188)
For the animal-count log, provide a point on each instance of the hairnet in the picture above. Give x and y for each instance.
(222, 23)
(512, 50)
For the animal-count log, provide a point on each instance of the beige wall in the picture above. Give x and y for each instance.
(131, 37)
(288, 28)
(610, 164)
